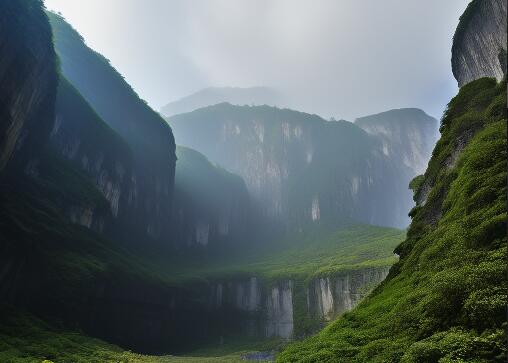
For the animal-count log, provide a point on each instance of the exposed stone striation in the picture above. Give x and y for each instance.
(270, 309)
(479, 43)
(329, 297)
(27, 79)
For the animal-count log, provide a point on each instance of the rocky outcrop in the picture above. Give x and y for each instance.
(270, 309)
(27, 79)
(479, 43)
(212, 207)
(329, 297)
(145, 193)
(301, 169)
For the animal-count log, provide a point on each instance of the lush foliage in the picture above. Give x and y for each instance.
(302, 256)
(445, 299)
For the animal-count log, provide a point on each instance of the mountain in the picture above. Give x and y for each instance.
(445, 299)
(147, 192)
(408, 134)
(27, 78)
(479, 46)
(234, 95)
(303, 170)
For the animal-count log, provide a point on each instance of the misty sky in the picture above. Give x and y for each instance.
(340, 58)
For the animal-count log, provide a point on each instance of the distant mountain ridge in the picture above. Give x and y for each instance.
(214, 95)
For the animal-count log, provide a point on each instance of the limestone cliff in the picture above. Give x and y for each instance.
(479, 43)
(301, 169)
(27, 79)
(274, 309)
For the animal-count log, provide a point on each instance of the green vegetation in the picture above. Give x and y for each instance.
(302, 256)
(444, 301)
(26, 339)
(67, 261)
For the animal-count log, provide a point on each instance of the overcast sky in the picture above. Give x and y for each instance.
(340, 58)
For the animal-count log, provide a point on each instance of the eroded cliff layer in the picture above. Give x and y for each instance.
(284, 308)
(479, 43)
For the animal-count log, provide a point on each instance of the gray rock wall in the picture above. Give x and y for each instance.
(478, 41)
(270, 309)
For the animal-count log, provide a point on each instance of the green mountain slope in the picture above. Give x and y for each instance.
(111, 96)
(27, 80)
(445, 299)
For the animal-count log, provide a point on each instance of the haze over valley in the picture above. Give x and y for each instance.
(290, 181)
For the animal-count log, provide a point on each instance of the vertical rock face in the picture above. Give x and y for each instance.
(479, 43)
(301, 169)
(150, 191)
(270, 308)
(329, 297)
(279, 311)
(27, 79)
